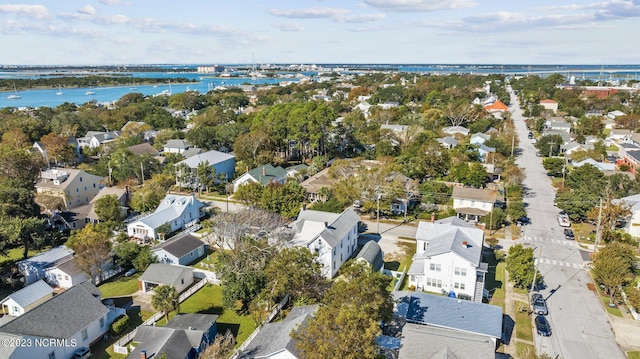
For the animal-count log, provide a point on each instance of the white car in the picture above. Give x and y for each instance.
(563, 219)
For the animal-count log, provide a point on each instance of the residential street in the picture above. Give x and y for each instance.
(579, 323)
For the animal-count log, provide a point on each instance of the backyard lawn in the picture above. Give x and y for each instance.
(15, 254)
(120, 286)
(494, 280)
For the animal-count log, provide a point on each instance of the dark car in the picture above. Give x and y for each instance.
(542, 326)
(530, 136)
(524, 220)
(539, 304)
(568, 234)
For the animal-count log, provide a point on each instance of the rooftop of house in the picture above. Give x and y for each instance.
(372, 253)
(60, 178)
(47, 258)
(548, 101)
(213, 157)
(157, 341)
(427, 341)
(160, 273)
(445, 312)
(332, 227)
(170, 208)
(267, 173)
(180, 245)
(143, 149)
(178, 144)
(276, 336)
(30, 294)
(69, 267)
(60, 317)
(463, 239)
(497, 106)
(317, 181)
(478, 194)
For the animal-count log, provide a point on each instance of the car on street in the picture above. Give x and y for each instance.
(563, 219)
(542, 326)
(568, 234)
(539, 304)
(530, 135)
(523, 221)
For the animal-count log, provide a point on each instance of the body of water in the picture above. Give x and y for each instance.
(51, 98)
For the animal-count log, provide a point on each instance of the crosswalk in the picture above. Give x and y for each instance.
(550, 240)
(559, 263)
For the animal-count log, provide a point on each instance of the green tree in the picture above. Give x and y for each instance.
(520, 265)
(125, 253)
(143, 259)
(249, 194)
(297, 272)
(166, 300)
(92, 248)
(108, 208)
(612, 264)
(554, 166)
(549, 145)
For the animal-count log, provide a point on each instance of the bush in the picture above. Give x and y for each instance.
(120, 325)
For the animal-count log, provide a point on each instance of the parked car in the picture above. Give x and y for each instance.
(563, 219)
(530, 135)
(524, 220)
(82, 353)
(568, 234)
(130, 272)
(542, 326)
(539, 304)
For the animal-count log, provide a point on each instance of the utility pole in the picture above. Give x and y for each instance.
(142, 172)
(598, 233)
(535, 268)
(513, 142)
(378, 212)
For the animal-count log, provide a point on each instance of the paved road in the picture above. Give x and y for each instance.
(579, 323)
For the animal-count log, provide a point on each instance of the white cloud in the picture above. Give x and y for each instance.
(419, 5)
(37, 12)
(111, 2)
(310, 13)
(289, 26)
(87, 10)
(112, 20)
(361, 18)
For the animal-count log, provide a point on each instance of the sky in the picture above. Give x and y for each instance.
(120, 32)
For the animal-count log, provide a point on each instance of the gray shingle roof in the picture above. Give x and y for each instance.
(452, 313)
(445, 238)
(180, 245)
(31, 293)
(425, 341)
(276, 336)
(479, 194)
(338, 225)
(60, 317)
(164, 273)
(372, 253)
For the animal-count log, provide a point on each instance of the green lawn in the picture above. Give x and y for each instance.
(633, 355)
(606, 300)
(120, 286)
(15, 254)
(525, 351)
(207, 261)
(400, 262)
(524, 328)
(494, 280)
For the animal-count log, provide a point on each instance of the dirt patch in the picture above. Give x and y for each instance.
(591, 287)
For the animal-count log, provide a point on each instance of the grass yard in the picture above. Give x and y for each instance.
(524, 328)
(208, 260)
(494, 280)
(605, 302)
(120, 286)
(633, 355)
(403, 260)
(15, 254)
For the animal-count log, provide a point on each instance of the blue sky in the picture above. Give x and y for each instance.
(93, 32)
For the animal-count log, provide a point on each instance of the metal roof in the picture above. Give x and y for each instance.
(30, 294)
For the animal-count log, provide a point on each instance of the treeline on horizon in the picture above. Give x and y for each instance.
(84, 81)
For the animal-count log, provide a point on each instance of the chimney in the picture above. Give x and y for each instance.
(246, 168)
(433, 217)
(143, 354)
(264, 171)
(465, 244)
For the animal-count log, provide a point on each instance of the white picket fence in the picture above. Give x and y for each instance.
(120, 346)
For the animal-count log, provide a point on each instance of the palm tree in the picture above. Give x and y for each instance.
(166, 300)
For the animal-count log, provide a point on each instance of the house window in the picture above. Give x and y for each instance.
(182, 281)
(458, 285)
(101, 322)
(66, 277)
(460, 271)
(473, 203)
(85, 335)
(52, 355)
(77, 190)
(94, 185)
(435, 267)
(432, 282)
(80, 178)
(424, 246)
(16, 309)
(334, 251)
(59, 276)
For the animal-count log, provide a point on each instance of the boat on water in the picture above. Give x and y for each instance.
(14, 95)
(90, 92)
(59, 91)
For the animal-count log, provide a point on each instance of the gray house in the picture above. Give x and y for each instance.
(157, 274)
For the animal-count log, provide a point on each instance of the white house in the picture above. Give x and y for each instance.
(448, 142)
(18, 303)
(179, 277)
(633, 204)
(73, 187)
(473, 203)
(456, 130)
(620, 135)
(178, 211)
(74, 319)
(33, 269)
(95, 139)
(332, 236)
(176, 146)
(448, 259)
(550, 105)
(616, 113)
(65, 274)
(220, 161)
(183, 249)
(372, 254)
(479, 138)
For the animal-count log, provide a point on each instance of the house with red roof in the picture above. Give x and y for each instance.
(550, 105)
(497, 108)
